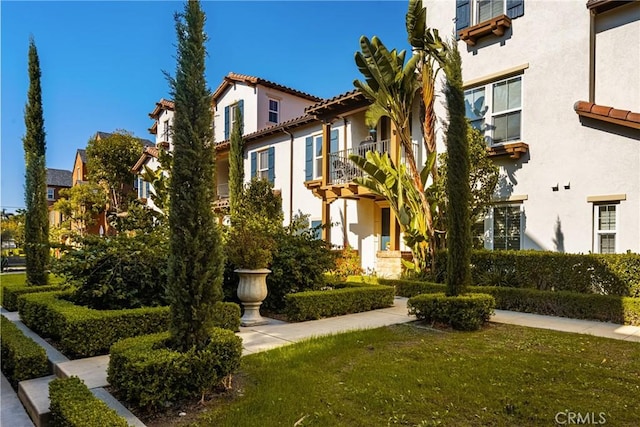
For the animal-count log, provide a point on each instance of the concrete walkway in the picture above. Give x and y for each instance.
(277, 333)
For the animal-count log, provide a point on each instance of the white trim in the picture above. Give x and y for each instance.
(607, 198)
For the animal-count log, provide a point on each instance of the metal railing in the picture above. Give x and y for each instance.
(342, 170)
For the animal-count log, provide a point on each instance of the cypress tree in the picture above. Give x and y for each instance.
(236, 164)
(36, 227)
(196, 260)
(458, 191)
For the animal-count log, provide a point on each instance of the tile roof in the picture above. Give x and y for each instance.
(232, 77)
(608, 114)
(338, 104)
(163, 104)
(59, 177)
(149, 152)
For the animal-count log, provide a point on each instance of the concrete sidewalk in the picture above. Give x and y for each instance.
(277, 333)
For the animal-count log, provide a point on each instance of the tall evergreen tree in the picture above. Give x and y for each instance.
(236, 164)
(196, 260)
(458, 191)
(36, 228)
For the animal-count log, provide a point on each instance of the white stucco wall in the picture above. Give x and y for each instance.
(164, 116)
(250, 109)
(291, 106)
(593, 158)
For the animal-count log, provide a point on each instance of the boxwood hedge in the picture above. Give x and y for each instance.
(11, 292)
(608, 308)
(608, 274)
(466, 312)
(73, 405)
(84, 332)
(352, 298)
(21, 357)
(147, 374)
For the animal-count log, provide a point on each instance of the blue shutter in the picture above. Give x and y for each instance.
(241, 108)
(308, 158)
(515, 8)
(226, 122)
(463, 14)
(334, 141)
(272, 164)
(254, 164)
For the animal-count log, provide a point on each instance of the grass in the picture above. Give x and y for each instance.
(502, 375)
(19, 279)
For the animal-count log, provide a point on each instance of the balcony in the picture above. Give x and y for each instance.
(222, 202)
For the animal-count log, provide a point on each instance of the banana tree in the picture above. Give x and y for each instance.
(431, 53)
(395, 184)
(391, 86)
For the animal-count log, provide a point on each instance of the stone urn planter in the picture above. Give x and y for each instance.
(252, 290)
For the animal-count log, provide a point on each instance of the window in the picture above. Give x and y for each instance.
(506, 226)
(274, 108)
(474, 12)
(230, 116)
(502, 101)
(263, 165)
(143, 188)
(317, 156)
(165, 131)
(316, 228)
(51, 193)
(385, 229)
(605, 228)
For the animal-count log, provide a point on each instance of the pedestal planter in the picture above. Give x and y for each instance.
(252, 290)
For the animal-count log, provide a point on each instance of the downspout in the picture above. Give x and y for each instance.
(345, 240)
(592, 56)
(290, 174)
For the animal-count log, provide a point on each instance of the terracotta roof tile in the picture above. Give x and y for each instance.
(338, 104)
(163, 104)
(607, 114)
(232, 77)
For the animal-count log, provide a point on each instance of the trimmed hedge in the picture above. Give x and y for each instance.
(148, 375)
(351, 299)
(73, 405)
(11, 292)
(609, 274)
(466, 312)
(85, 332)
(21, 357)
(606, 308)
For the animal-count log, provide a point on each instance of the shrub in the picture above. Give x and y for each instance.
(463, 312)
(347, 264)
(73, 405)
(317, 304)
(21, 357)
(124, 271)
(610, 274)
(85, 332)
(11, 292)
(299, 263)
(608, 308)
(147, 374)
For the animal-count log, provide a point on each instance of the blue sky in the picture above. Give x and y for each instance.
(102, 62)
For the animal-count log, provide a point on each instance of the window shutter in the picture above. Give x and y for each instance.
(147, 188)
(515, 8)
(241, 108)
(308, 158)
(254, 164)
(334, 141)
(272, 164)
(226, 122)
(463, 14)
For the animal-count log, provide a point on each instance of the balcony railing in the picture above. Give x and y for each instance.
(342, 170)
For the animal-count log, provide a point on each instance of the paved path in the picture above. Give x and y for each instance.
(277, 333)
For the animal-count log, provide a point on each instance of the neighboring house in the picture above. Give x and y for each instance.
(559, 106)
(57, 179)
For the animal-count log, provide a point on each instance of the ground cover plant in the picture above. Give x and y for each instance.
(413, 375)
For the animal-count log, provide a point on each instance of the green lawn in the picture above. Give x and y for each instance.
(16, 279)
(502, 375)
